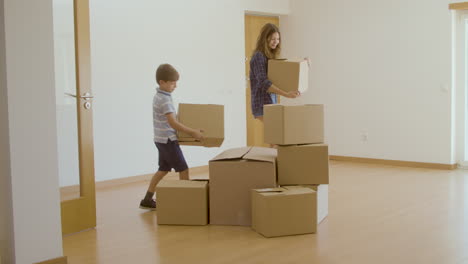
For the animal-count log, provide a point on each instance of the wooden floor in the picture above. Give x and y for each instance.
(377, 214)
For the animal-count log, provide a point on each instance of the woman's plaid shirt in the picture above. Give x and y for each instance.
(259, 84)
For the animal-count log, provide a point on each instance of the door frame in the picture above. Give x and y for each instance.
(80, 213)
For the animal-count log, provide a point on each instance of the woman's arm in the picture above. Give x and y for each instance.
(276, 90)
(258, 68)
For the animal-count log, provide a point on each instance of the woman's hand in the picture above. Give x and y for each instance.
(276, 90)
(293, 94)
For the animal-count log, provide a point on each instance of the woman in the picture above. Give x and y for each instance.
(262, 90)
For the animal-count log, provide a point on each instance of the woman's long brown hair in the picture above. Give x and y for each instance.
(263, 41)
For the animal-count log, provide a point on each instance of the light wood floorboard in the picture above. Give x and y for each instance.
(377, 214)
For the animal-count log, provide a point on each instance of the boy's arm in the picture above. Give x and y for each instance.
(172, 120)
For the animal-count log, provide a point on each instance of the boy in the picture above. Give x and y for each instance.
(165, 126)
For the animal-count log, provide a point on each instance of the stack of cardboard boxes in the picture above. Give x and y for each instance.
(278, 192)
(301, 201)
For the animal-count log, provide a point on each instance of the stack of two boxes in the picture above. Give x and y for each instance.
(301, 201)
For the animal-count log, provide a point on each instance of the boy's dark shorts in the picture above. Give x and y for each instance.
(171, 156)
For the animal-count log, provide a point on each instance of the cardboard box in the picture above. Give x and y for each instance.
(233, 174)
(286, 125)
(289, 210)
(207, 117)
(289, 75)
(303, 164)
(182, 202)
(322, 199)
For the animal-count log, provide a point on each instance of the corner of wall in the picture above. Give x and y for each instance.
(6, 207)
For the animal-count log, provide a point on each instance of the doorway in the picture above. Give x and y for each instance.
(253, 25)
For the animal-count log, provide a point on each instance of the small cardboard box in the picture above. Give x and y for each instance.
(303, 164)
(322, 199)
(207, 117)
(289, 75)
(286, 125)
(290, 210)
(233, 174)
(182, 202)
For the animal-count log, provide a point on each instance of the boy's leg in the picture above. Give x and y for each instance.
(184, 175)
(179, 165)
(157, 177)
(164, 168)
(148, 202)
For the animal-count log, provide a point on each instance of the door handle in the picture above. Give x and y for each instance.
(86, 96)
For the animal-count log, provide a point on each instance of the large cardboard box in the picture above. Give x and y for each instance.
(322, 199)
(303, 164)
(300, 124)
(207, 117)
(290, 210)
(182, 202)
(233, 174)
(289, 75)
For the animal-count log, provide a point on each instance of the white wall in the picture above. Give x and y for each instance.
(204, 40)
(379, 67)
(32, 130)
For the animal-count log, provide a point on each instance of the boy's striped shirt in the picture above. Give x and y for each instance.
(162, 105)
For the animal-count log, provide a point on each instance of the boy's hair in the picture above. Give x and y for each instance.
(263, 41)
(166, 72)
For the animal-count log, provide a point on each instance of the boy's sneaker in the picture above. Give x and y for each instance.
(148, 204)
